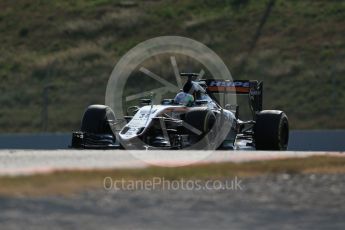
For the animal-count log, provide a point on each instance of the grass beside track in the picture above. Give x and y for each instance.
(72, 46)
(71, 182)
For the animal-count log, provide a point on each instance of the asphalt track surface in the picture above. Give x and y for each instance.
(21, 162)
(284, 202)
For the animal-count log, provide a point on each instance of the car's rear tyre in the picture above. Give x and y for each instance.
(97, 119)
(271, 130)
(202, 120)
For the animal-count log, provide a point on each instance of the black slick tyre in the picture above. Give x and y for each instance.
(202, 120)
(271, 130)
(96, 119)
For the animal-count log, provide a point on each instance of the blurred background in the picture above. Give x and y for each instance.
(56, 56)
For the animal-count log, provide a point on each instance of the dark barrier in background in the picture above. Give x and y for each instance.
(316, 140)
(35, 141)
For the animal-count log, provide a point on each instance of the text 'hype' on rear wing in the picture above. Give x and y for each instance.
(252, 88)
(237, 86)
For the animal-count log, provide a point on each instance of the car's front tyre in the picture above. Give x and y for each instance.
(95, 128)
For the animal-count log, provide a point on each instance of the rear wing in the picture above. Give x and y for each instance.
(252, 88)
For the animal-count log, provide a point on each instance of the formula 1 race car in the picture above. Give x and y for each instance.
(195, 119)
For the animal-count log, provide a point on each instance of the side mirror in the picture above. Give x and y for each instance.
(167, 101)
(145, 101)
(201, 102)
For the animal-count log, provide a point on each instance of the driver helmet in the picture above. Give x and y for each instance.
(183, 98)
